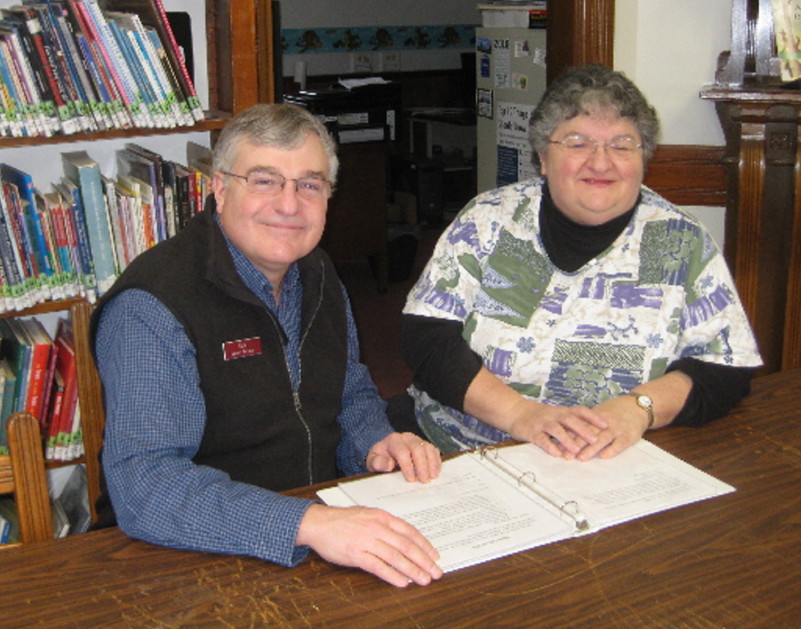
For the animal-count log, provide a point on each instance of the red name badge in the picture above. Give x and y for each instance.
(242, 348)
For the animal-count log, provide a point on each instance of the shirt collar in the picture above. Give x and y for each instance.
(255, 279)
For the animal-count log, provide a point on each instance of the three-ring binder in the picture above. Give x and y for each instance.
(528, 479)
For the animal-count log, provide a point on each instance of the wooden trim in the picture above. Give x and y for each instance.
(233, 54)
(586, 34)
(688, 175)
(90, 393)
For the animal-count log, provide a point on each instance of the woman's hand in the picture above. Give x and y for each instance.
(559, 430)
(417, 459)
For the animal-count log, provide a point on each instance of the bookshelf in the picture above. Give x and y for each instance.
(238, 44)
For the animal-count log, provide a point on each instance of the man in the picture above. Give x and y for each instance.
(230, 368)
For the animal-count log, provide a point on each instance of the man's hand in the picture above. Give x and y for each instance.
(370, 539)
(418, 459)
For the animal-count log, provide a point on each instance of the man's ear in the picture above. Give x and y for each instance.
(218, 188)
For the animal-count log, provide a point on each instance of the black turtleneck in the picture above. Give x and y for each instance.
(570, 245)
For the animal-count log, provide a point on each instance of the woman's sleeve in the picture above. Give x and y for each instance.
(716, 390)
(442, 363)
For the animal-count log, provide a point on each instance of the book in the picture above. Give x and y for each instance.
(8, 511)
(96, 65)
(147, 166)
(9, 381)
(11, 259)
(66, 77)
(152, 14)
(89, 102)
(75, 219)
(494, 502)
(40, 372)
(33, 224)
(30, 81)
(16, 349)
(44, 61)
(61, 425)
(84, 172)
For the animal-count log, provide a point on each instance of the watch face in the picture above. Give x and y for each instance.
(644, 401)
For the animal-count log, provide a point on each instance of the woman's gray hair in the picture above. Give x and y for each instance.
(592, 90)
(281, 126)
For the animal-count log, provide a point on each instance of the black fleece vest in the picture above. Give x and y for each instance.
(258, 429)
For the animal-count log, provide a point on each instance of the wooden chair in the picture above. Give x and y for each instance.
(22, 473)
(90, 392)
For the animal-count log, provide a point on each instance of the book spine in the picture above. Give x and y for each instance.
(75, 62)
(35, 76)
(93, 55)
(65, 77)
(174, 52)
(54, 281)
(115, 62)
(43, 62)
(137, 68)
(24, 86)
(88, 179)
(78, 215)
(11, 260)
(27, 261)
(161, 94)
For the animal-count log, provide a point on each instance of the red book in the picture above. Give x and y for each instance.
(61, 424)
(39, 371)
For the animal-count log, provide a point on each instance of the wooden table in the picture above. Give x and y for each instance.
(733, 561)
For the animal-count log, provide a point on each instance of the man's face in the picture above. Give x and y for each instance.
(273, 231)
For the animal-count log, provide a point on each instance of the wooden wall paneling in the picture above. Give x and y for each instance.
(586, 34)
(233, 54)
(688, 175)
(761, 126)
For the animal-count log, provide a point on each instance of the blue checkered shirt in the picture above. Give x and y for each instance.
(155, 421)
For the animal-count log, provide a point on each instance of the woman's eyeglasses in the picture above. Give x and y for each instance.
(580, 146)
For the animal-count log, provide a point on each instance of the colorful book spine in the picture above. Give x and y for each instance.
(85, 172)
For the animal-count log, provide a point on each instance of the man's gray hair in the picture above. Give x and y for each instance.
(592, 90)
(281, 126)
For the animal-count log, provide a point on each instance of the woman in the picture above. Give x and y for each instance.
(580, 309)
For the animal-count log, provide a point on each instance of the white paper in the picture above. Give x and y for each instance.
(474, 512)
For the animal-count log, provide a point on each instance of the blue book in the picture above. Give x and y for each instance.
(84, 172)
(12, 260)
(76, 218)
(31, 223)
(17, 351)
(9, 383)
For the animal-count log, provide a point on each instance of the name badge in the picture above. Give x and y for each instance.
(242, 348)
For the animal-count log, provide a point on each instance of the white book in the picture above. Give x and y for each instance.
(494, 502)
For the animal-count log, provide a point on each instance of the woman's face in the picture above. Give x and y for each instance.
(594, 188)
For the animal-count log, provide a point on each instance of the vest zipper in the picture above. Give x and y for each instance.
(296, 391)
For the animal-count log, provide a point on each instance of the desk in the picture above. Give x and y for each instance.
(732, 561)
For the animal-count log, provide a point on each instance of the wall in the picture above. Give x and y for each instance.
(670, 50)
(427, 34)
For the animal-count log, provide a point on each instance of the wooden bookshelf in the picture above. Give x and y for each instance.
(240, 71)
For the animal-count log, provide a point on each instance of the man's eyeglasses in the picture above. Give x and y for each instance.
(270, 184)
(581, 147)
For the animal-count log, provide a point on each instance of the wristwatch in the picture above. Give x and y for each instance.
(645, 403)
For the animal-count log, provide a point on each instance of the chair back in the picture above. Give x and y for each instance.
(22, 473)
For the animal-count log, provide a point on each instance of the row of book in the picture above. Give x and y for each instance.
(71, 66)
(38, 374)
(76, 239)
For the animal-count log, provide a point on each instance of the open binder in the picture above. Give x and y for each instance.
(493, 502)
